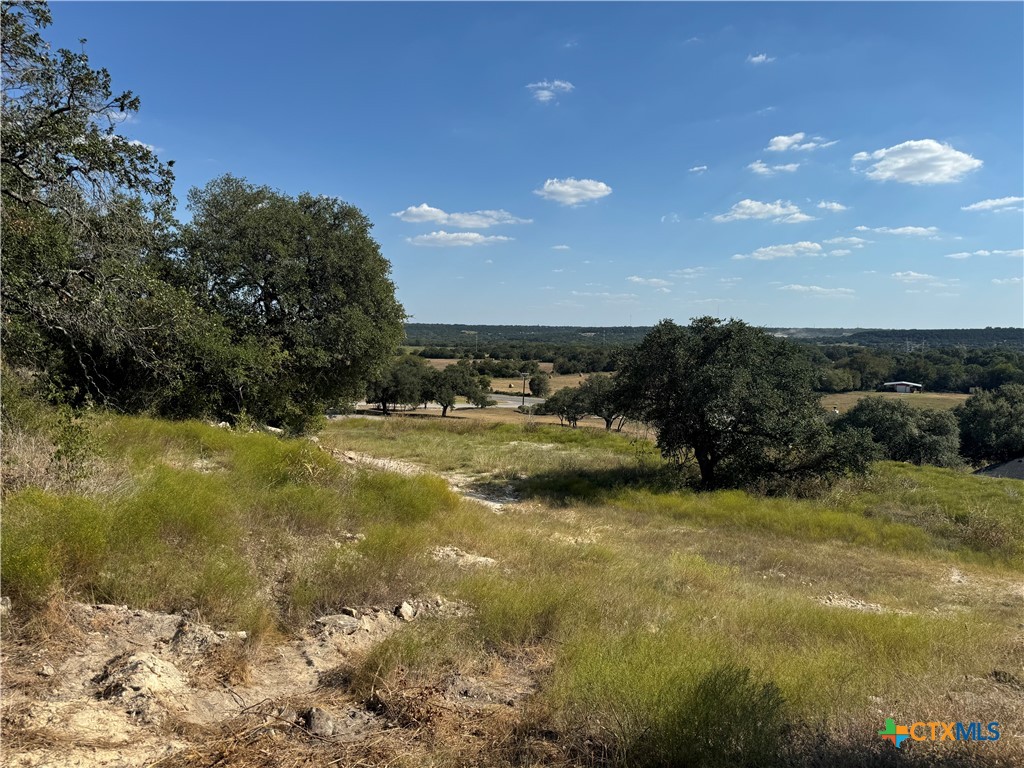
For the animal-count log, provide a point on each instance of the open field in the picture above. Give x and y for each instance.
(609, 616)
(844, 401)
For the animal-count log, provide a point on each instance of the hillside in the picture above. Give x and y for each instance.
(414, 591)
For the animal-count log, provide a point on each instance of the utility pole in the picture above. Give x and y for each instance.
(525, 376)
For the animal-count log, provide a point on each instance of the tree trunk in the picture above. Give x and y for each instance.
(444, 411)
(707, 464)
(608, 423)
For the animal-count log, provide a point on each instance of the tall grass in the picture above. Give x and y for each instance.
(205, 510)
(672, 628)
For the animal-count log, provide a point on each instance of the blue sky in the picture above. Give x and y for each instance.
(610, 164)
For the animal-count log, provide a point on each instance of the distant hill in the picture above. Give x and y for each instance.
(440, 334)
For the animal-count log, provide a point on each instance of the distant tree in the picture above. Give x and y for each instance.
(992, 424)
(540, 385)
(406, 381)
(444, 386)
(603, 398)
(299, 275)
(569, 404)
(904, 433)
(737, 401)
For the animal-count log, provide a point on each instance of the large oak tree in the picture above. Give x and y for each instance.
(738, 402)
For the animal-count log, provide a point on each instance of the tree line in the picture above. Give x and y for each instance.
(841, 367)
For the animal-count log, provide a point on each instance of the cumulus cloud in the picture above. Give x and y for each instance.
(817, 290)
(780, 211)
(442, 239)
(474, 220)
(827, 205)
(840, 252)
(931, 232)
(796, 141)
(1007, 280)
(762, 169)
(996, 204)
(786, 251)
(698, 169)
(1018, 253)
(924, 161)
(559, 247)
(547, 91)
(670, 218)
(652, 281)
(573, 191)
(760, 58)
(853, 242)
(912, 277)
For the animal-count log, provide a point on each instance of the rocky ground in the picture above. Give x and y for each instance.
(122, 687)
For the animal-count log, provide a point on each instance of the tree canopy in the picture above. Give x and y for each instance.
(992, 424)
(903, 433)
(736, 401)
(300, 276)
(269, 305)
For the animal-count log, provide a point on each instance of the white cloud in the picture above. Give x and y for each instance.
(474, 220)
(730, 280)
(910, 231)
(840, 252)
(691, 40)
(796, 141)
(116, 140)
(827, 205)
(817, 290)
(783, 211)
(606, 295)
(698, 169)
(925, 161)
(670, 218)
(1007, 281)
(442, 239)
(761, 169)
(689, 273)
(789, 250)
(547, 91)
(760, 58)
(560, 248)
(995, 204)
(653, 281)
(1018, 253)
(912, 277)
(853, 242)
(573, 191)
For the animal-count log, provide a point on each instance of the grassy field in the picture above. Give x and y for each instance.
(844, 401)
(657, 626)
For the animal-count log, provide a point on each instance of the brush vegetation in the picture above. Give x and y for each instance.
(661, 626)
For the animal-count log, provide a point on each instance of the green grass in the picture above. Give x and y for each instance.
(652, 614)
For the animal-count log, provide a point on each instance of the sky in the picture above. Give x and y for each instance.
(788, 164)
